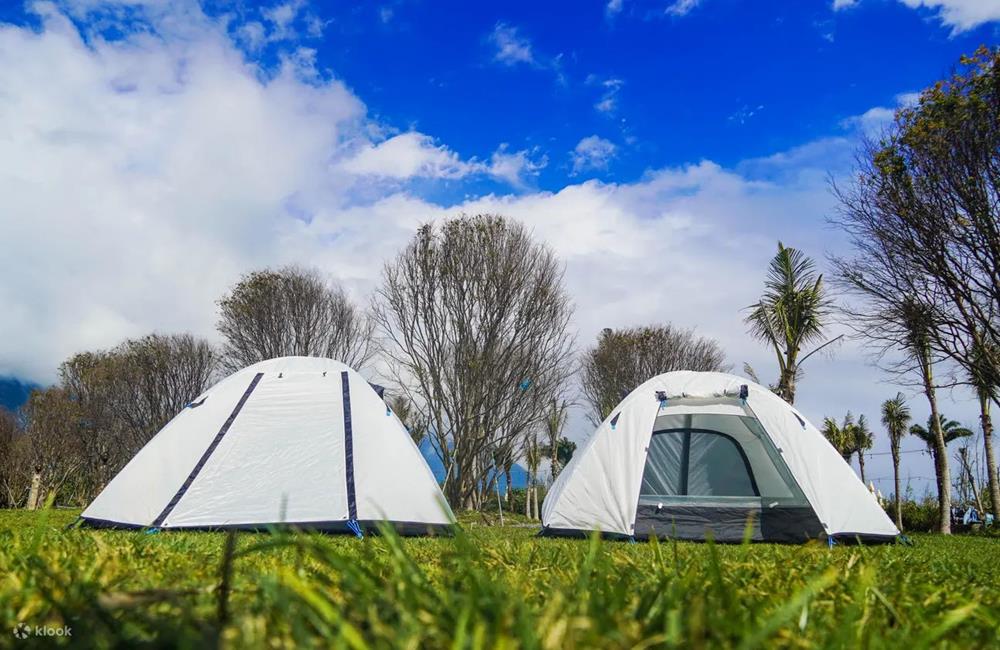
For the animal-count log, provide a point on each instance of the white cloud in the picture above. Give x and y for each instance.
(960, 15)
(405, 156)
(682, 7)
(876, 119)
(415, 155)
(592, 152)
(516, 167)
(511, 47)
(608, 103)
(281, 16)
(614, 7)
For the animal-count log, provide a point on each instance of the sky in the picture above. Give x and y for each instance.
(153, 151)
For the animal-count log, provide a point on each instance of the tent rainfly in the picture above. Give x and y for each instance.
(693, 454)
(296, 440)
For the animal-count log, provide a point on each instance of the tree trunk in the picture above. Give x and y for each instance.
(538, 513)
(991, 463)
(35, 494)
(967, 468)
(941, 469)
(509, 491)
(897, 498)
(786, 384)
(527, 498)
(861, 466)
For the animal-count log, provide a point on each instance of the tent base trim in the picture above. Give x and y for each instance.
(370, 527)
(549, 531)
(787, 524)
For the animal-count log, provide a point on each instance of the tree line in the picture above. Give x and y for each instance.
(470, 325)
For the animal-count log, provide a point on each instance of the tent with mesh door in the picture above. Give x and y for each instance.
(693, 454)
(296, 440)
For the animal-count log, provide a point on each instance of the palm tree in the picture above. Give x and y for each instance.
(791, 313)
(532, 450)
(896, 418)
(863, 441)
(950, 429)
(841, 436)
(555, 420)
(410, 416)
(918, 322)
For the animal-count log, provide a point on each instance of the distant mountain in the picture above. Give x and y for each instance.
(14, 392)
(518, 475)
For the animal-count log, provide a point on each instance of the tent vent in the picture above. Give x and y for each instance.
(744, 392)
(799, 418)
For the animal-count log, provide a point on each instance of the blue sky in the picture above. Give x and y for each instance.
(663, 83)
(154, 151)
(727, 81)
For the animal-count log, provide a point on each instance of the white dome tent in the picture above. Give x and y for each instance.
(693, 454)
(296, 440)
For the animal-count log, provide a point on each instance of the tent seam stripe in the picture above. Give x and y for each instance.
(352, 504)
(208, 453)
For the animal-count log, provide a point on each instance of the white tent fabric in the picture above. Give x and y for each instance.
(599, 489)
(295, 440)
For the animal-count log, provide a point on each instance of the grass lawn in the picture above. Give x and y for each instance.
(487, 587)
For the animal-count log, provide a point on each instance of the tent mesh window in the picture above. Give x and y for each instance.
(709, 458)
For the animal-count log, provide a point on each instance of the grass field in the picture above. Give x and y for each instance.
(487, 587)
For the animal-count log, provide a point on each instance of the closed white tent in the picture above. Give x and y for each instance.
(688, 454)
(294, 440)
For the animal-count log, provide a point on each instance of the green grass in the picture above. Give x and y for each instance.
(488, 587)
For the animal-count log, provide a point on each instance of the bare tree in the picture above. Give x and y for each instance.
(125, 395)
(625, 358)
(106, 406)
(969, 477)
(13, 479)
(475, 324)
(291, 312)
(52, 454)
(924, 219)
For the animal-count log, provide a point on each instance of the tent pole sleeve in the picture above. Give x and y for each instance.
(352, 502)
(208, 453)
